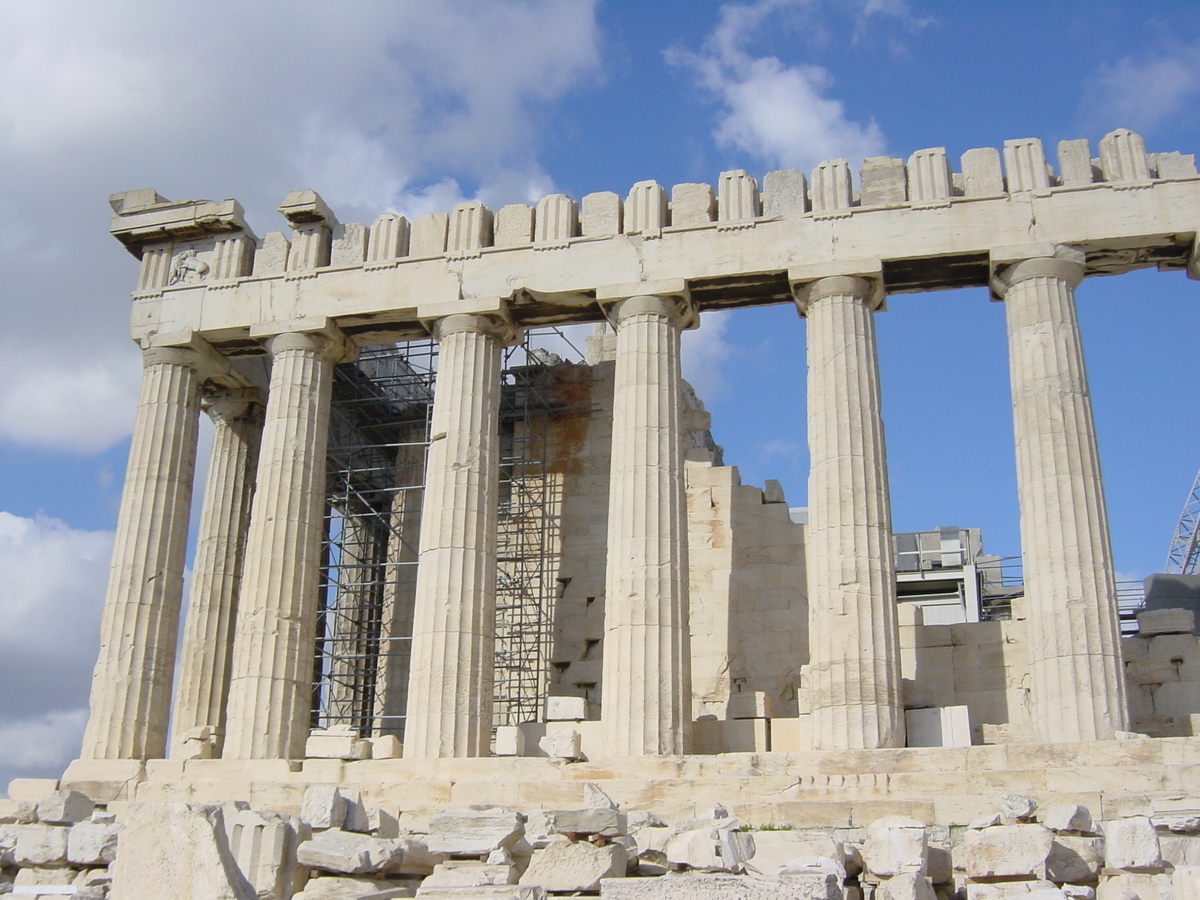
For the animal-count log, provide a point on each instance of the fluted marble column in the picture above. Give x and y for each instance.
(450, 687)
(270, 691)
(1077, 682)
(647, 695)
(131, 686)
(854, 639)
(202, 685)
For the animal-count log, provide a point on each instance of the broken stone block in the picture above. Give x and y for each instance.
(1005, 851)
(606, 822)
(562, 745)
(1016, 807)
(17, 812)
(723, 887)
(566, 709)
(31, 788)
(1074, 858)
(1068, 817)
(338, 888)
(785, 193)
(775, 849)
(64, 808)
(357, 818)
(981, 172)
(895, 844)
(1166, 621)
(882, 181)
(8, 846)
(1131, 844)
(692, 204)
(640, 818)
(324, 806)
(40, 845)
(264, 847)
(469, 873)
(574, 866)
(347, 853)
(415, 858)
(1018, 890)
(984, 822)
(595, 798)
(176, 850)
(381, 823)
(1078, 892)
(92, 844)
(718, 847)
(939, 866)
(600, 214)
(386, 746)
(809, 865)
(1142, 885)
(336, 744)
(1178, 824)
(474, 832)
(510, 741)
(906, 886)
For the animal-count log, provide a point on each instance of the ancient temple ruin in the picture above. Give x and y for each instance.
(438, 565)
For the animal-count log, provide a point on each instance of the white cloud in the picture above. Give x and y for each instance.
(378, 104)
(40, 746)
(777, 113)
(1139, 92)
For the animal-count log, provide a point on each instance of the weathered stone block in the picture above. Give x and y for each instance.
(17, 812)
(1142, 885)
(347, 853)
(564, 744)
(906, 886)
(895, 844)
(601, 214)
(92, 844)
(324, 806)
(1005, 851)
(264, 847)
(606, 822)
(469, 873)
(510, 741)
(785, 193)
(41, 845)
(474, 833)
(566, 709)
(882, 181)
(176, 850)
(1068, 817)
(692, 204)
(1075, 859)
(723, 887)
(718, 847)
(1131, 843)
(339, 888)
(981, 172)
(64, 808)
(738, 199)
(1166, 621)
(337, 745)
(749, 705)
(575, 866)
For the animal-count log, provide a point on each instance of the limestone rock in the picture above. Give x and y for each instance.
(939, 865)
(1142, 885)
(1075, 859)
(895, 844)
(348, 853)
(574, 866)
(64, 808)
(603, 821)
(17, 812)
(469, 873)
(338, 888)
(1015, 806)
(595, 798)
(357, 817)
(984, 821)
(264, 847)
(176, 850)
(40, 845)
(1006, 851)
(1068, 817)
(640, 818)
(562, 744)
(906, 886)
(774, 849)
(324, 806)
(92, 844)
(1131, 844)
(719, 847)
(474, 832)
(723, 887)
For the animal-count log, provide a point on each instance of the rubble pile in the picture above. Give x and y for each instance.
(59, 844)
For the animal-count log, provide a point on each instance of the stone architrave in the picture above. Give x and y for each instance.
(646, 665)
(271, 680)
(202, 686)
(131, 687)
(454, 620)
(1077, 679)
(854, 634)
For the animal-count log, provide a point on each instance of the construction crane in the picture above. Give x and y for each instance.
(1185, 545)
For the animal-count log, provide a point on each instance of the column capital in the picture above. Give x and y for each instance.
(186, 348)
(318, 333)
(228, 405)
(862, 278)
(1010, 265)
(497, 325)
(670, 297)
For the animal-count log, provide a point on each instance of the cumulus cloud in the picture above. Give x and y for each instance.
(1141, 91)
(379, 104)
(778, 113)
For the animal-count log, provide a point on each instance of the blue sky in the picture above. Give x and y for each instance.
(414, 106)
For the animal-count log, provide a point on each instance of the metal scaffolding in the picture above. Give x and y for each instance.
(379, 435)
